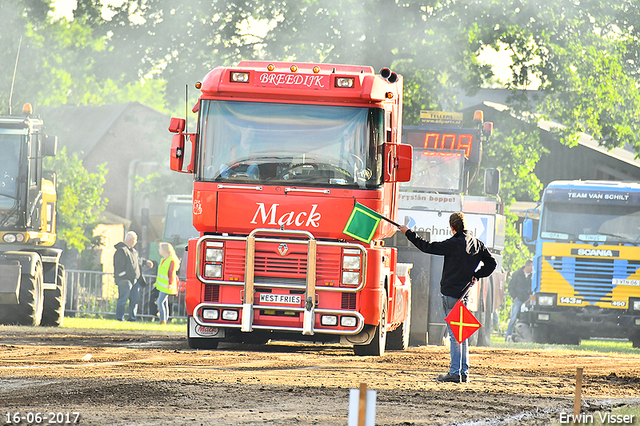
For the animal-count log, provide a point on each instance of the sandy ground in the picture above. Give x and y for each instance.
(133, 378)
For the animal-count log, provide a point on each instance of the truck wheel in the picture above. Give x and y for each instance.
(54, 301)
(398, 339)
(377, 345)
(29, 310)
(635, 341)
(484, 334)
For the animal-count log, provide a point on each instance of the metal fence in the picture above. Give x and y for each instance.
(92, 292)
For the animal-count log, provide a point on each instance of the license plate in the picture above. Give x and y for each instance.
(619, 281)
(289, 299)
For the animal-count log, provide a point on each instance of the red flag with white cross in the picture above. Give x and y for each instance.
(463, 323)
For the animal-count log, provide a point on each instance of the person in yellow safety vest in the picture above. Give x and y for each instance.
(167, 279)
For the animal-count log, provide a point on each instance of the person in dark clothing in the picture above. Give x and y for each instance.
(462, 253)
(520, 292)
(126, 270)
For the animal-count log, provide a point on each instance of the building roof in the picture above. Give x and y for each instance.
(81, 127)
(623, 154)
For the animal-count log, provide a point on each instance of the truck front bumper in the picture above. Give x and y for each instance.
(589, 321)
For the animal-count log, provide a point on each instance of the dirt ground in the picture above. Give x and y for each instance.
(133, 378)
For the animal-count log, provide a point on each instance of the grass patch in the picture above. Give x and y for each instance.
(605, 346)
(112, 324)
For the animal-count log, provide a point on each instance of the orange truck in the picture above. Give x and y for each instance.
(281, 154)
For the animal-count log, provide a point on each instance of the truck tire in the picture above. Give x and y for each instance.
(398, 339)
(54, 301)
(377, 345)
(484, 334)
(29, 310)
(635, 341)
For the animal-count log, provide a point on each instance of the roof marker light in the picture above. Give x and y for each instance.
(271, 67)
(316, 69)
(293, 68)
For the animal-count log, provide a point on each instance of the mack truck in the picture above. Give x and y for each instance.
(32, 280)
(281, 154)
(446, 156)
(586, 263)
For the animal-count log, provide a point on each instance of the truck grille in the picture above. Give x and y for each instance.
(591, 277)
(269, 265)
(211, 293)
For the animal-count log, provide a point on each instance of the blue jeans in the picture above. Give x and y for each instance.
(459, 351)
(163, 305)
(127, 293)
(515, 309)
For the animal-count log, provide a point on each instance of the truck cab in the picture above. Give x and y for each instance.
(281, 155)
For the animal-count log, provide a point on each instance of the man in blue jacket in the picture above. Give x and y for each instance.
(462, 255)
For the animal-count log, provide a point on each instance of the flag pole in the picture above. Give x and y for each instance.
(390, 221)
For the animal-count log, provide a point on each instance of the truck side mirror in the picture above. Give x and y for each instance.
(177, 153)
(398, 162)
(491, 181)
(527, 231)
(404, 155)
(49, 146)
(177, 125)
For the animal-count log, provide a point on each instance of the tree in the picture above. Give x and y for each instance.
(80, 199)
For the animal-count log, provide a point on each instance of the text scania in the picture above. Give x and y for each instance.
(595, 252)
(271, 217)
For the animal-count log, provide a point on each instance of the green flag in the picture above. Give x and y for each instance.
(362, 223)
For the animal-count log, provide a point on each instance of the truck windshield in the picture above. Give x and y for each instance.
(9, 168)
(290, 144)
(440, 171)
(591, 222)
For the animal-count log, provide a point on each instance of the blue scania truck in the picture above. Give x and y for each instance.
(586, 274)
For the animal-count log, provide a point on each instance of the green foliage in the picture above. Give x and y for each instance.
(514, 149)
(79, 199)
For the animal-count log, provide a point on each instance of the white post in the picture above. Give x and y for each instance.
(362, 410)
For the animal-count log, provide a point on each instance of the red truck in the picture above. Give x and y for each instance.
(281, 154)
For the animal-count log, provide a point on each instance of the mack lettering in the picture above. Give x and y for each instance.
(271, 217)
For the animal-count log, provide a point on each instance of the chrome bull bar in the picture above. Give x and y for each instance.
(200, 321)
(249, 284)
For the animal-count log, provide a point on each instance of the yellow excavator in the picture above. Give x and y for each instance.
(32, 280)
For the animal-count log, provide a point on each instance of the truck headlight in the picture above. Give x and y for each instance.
(210, 314)
(230, 315)
(636, 305)
(545, 300)
(351, 262)
(348, 321)
(213, 271)
(214, 255)
(350, 278)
